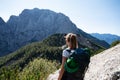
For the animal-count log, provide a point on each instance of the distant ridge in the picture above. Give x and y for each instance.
(107, 37)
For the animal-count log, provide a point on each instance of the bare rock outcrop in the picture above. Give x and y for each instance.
(105, 66)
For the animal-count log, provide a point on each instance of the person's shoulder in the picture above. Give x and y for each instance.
(65, 52)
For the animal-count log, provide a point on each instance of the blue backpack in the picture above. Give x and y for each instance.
(78, 61)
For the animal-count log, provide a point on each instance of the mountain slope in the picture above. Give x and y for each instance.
(35, 25)
(107, 37)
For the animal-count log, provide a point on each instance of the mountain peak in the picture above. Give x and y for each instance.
(36, 11)
(1, 21)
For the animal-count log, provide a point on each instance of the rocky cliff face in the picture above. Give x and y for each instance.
(35, 25)
(4, 37)
(103, 66)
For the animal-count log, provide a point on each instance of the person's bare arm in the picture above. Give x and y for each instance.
(62, 68)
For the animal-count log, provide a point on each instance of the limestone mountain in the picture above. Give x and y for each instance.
(34, 25)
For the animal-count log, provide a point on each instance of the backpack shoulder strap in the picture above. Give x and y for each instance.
(71, 51)
(68, 50)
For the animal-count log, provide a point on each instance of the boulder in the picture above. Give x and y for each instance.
(105, 66)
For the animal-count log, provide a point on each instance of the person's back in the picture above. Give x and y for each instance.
(71, 42)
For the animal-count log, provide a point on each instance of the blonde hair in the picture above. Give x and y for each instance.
(72, 39)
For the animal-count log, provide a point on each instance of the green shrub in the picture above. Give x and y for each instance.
(6, 73)
(39, 69)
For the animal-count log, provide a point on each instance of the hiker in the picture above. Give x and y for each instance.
(72, 44)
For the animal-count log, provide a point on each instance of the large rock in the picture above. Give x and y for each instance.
(103, 66)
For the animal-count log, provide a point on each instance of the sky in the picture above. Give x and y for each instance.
(92, 16)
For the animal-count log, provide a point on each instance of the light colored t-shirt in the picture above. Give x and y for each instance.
(66, 53)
